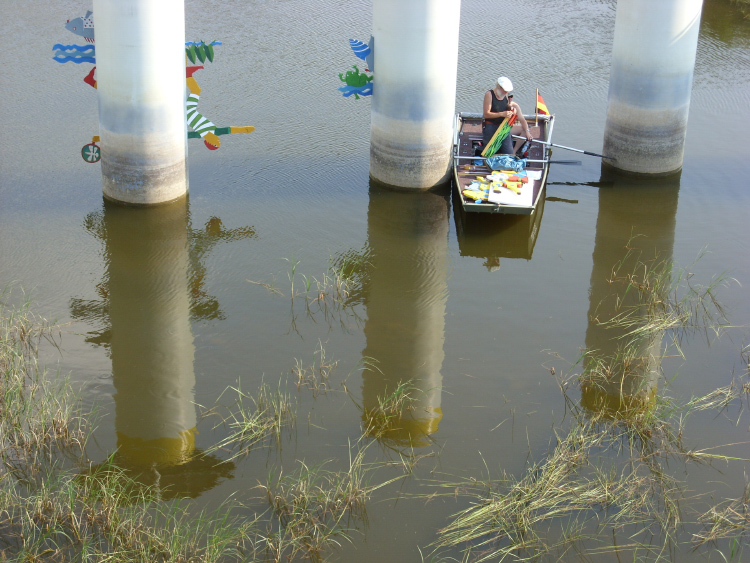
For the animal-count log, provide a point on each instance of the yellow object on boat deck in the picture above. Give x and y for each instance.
(473, 194)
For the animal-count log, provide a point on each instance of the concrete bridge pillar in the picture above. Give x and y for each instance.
(140, 58)
(414, 96)
(653, 56)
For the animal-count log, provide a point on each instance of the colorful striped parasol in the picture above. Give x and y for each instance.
(497, 139)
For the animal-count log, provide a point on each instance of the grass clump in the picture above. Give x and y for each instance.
(39, 419)
(385, 417)
(315, 509)
(317, 375)
(575, 488)
(256, 419)
(611, 467)
(54, 506)
(105, 515)
(728, 519)
(81, 511)
(653, 299)
(333, 295)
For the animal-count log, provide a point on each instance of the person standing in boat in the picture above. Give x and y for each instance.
(499, 104)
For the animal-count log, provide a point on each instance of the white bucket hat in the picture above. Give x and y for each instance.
(505, 83)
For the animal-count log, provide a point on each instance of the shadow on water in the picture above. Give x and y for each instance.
(405, 295)
(201, 241)
(492, 236)
(727, 20)
(148, 303)
(637, 220)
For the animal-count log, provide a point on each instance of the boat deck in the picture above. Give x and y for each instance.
(468, 139)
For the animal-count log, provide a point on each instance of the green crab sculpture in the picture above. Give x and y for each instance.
(357, 83)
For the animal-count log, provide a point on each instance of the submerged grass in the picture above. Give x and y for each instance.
(80, 511)
(610, 468)
(654, 298)
(256, 419)
(53, 505)
(385, 417)
(106, 515)
(606, 485)
(333, 295)
(728, 519)
(316, 508)
(316, 376)
(39, 419)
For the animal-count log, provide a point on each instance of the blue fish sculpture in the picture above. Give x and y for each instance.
(83, 26)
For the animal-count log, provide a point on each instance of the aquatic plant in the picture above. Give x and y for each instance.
(608, 468)
(255, 419)
(384, 418)
(316, 509)
(50, 512)
(315, 376)
(105, 514)
(333, 295)
(39, 419)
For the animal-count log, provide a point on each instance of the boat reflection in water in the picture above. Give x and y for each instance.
(493, 236)
(405, 294)
(635, 227)
(152, 349)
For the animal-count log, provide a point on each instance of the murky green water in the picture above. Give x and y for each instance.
(159, 307)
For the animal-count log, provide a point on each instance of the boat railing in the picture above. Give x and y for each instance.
(457, 157)
(527, 116)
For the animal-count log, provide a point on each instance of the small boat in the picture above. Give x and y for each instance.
(468, 167)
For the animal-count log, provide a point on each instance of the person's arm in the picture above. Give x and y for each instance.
(522, 120)
(487, 112)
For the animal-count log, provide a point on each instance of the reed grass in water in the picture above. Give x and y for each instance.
(256, 419)
(77, 511)
(316, 508)
(610, 468)
(332, 295)
(316, 376)
(39, 419)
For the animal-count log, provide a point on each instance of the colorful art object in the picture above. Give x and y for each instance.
(358, 83)
(83, 26)
(202, 127)
(195, 51)
(200, 51)
(92, 153)
(364, 51)
(74, 53)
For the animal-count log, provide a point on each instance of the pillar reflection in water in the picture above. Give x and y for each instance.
(636, 214)
(405, 297)
(152, 344)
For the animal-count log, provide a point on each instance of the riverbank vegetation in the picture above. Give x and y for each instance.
(609, 483)
(57, 505)
(612, 482)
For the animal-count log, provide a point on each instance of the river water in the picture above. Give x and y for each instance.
(163, 309)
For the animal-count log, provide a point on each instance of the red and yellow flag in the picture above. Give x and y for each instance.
(541, 107)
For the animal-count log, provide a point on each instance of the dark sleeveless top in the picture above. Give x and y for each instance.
(497, 106)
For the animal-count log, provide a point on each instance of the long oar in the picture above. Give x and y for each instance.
(578, 162)
(566, 148)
